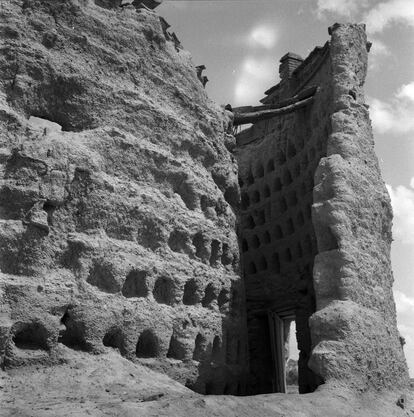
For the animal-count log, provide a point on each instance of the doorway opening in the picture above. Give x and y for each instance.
(285, 355)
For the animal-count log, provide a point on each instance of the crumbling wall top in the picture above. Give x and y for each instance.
(113, 4)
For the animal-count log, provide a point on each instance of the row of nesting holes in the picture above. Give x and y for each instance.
(164, 291)
(148, 344)
(281, 159)
(278, 233)
(259, 219)
(255, 196)
(217, 251)
(34, 336)
(261, 263)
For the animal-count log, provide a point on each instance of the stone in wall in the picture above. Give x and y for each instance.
(117, 229)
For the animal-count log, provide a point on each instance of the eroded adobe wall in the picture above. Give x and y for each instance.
(278, 240)
(117, 228)
(354, 333)
(315, 227)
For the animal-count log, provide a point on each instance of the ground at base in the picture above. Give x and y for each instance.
(109, 385)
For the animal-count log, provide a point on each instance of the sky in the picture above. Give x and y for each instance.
(241, 41)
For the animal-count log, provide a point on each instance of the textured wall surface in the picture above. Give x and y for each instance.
(118, 216)
(278, 239)
(117, 228)
(315, 226)
(354, 331)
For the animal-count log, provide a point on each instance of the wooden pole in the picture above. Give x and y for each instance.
(256, 116)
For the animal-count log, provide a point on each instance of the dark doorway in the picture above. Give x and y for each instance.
(279, 331)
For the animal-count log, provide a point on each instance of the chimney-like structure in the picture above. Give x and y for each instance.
(288, 64)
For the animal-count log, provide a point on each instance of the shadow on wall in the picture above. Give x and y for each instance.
(222, 363)
(217, 354)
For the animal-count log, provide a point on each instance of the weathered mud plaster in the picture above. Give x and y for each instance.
(315, 226)
(354, 333)
(118, 216)
(116, 192)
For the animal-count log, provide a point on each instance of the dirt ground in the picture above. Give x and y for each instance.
(109, 385)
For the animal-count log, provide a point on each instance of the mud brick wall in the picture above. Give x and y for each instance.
(315, 226)
(117, 197)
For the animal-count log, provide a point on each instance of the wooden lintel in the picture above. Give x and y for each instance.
(305, 93)
(256, 116)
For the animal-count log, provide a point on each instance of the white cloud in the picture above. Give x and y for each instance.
(345, 8)
(378, 51)
(407, 332)
(378, 17)
(386, 13)
(259, 38)
(406, 91)
(379, 48)
(382, 115)
(262, 36)
(402, 200)
(258, 70)
(395, 116)
(404, 303)
(257, 74)
(405, 312)
(392, 116)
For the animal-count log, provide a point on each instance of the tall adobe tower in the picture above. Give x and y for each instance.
(119, 206)
(315, 227)
(117, 227)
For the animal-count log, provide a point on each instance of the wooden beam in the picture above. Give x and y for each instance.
(256, 116)
(305, 93)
